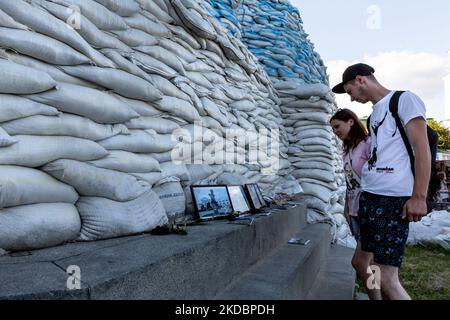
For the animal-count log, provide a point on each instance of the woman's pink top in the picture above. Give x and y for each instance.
(353, 164)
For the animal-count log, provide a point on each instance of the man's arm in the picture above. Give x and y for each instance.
(416, 207)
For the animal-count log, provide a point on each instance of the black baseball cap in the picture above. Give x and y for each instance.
(359, 69)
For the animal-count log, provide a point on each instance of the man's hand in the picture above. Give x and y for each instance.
(414, 209)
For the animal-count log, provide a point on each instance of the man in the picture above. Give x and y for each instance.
(391, 196)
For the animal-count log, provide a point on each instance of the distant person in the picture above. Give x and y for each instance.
(392, 195)
(356, 143)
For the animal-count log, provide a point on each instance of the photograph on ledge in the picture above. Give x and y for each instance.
(238, 199)
(211, 201)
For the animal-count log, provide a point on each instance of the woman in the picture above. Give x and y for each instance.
(356, 142)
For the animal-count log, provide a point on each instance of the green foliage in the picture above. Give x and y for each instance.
(443, 133)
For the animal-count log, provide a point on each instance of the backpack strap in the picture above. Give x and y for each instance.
(393, 107)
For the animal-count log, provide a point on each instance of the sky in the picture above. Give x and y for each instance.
(407, 43)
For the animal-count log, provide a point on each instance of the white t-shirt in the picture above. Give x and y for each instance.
(388, 171)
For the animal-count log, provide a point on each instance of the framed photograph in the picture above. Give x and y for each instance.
(253, 197)
(260, 195)
(238, 199)
(211, 202)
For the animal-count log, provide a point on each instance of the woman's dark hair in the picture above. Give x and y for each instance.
(357, 132)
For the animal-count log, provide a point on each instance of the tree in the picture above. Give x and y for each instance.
(443, 133)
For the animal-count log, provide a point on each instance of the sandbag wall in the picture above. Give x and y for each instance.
(273, 32)
(91, 93)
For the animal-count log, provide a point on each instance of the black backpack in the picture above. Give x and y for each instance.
(433, 141)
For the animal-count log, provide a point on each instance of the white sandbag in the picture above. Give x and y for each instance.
(64, 125)
(88, 31)
(53, 71)
(35, 151)
(154, 28)
(135, 37)
(317, 191)
(162, 156)
(187, 88)
(20, 186)
(125, 64)
(103, 218)
(214, 125)
(243, 105)
(140, 141)
(93, 104)
(18, 79)
(142, 108)
(97, 14)
(313, 216)
(199, 79)
(8, 22)
(231, 179)
(230, 51)
(169, 169)
(181, 52)
(41, 21)
(322, 175)
(312, 116)
(306, 164)
(15, 107)
(200, 66)
(194, 21)
(213, 110)
(38, 226)
(332, 186)
(89, 180)
(199, 172)
(152, 65)
(172, 197)
(163, 55)
(314, 141)
(41, 47)
(5, 139)
(151, 178)
(185, 36)
(179, 108)
(124, 8)
(199, 90)
(122, 82)
(311, 133)
(155, 11)
(308, 90)
(128, 162)
(302, 105)
(160, 125)
(168, 88)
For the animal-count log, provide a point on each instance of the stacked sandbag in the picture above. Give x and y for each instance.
(226, 12)
(273, 32)
(36, 210)
(100, 95)
(53, 120)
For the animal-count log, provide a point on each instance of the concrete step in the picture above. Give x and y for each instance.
(288, 273)
(336, 279)
(195, 266)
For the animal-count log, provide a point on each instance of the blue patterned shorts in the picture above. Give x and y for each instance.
(383, 231)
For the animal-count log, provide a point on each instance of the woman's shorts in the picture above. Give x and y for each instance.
(383, 231)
